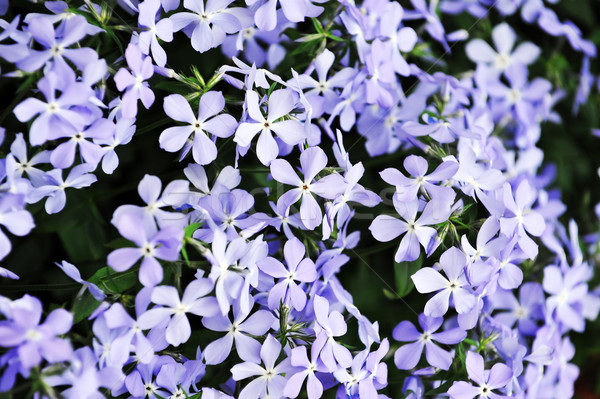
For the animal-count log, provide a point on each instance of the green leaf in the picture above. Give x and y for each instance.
(317, 25)
(83, 306)
(308, 46)
(402, 272)
(190, 229)
(109, 280)
(389, 294)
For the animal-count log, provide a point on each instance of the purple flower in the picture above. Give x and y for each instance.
(14, 218)
(152, 244)
(56, 42)
(427, 280)
(203, 148)
(268, 381)
(416, 231)
(63, 156)
(475, 179)
(407, 356)
(324, 86)
(234, 269)
(331, 325)
(34, 341)
(298, 269)
(294, 10)
(520, 219)
(402, 38)
(442, 129)
(207, 26)
(123, 134)
(71, 271)
(84, 378)
(177, 378)
(408, 188)
(299, 359)
(116, 317)
(291, 132)
(194, 301)
(163, 29)
(228, 210)
(26, 164)
(525, 312)
(239, 331)
(134, 83)
(504, 40)
(56, 115)
(433, 26)
(487, 381)
(353, 192)
(381, 77)
(54, 186)
(567, 290)
(522, 96)
(313, 160)
(149, 190)
(367, 373)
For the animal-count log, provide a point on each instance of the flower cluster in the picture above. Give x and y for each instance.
(227, 280)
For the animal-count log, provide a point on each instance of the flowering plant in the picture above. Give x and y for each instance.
(334, 199)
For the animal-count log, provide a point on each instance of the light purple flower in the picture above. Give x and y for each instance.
(331, 325)
(504, 38)
(34, 341)
(291, 132)
(416, 231)
(134, 83)
(152, 244)
(55, 115)
(207, 25)
(84, 378)
(324, 86)
(123, 134)
(520, 219)
(54, 186)
(433, 24)
(63, 155)
(14, 218)
(298, 269)
(367, 373)
(194, 301)
(308, 368)
(26, 164)
(525, 312)
(408, 356)
(56, 43)
(312, 160)
(487, 381)
(403, 38)
(381, 75)
(268, 381)
(71, 271)
(204, 149)
(567, 290)
(427, 280)
(234, 270)
(163, 29)
(131, 334)
(408, 188)
(177, 378)
(149, 190)
(239, 331)
(294, 10)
